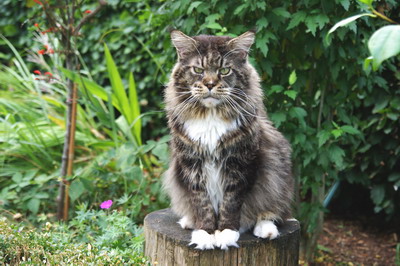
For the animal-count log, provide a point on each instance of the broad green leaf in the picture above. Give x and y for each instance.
(33, 205)
(297, 112)
(214, 26)
(117, 86)
(346, 21)
(291, 94)
(76, 189)
(337, 133)
(351, 130)
(394, 177)
(277, 118)
(275, 89)
(345, 4)
(384, 43)
(134, 103)
(292, 77)
(378, 194)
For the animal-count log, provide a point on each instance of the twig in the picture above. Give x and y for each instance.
(86, 18)
(382, 16)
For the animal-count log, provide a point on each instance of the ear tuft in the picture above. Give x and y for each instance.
(242, 42)
(183, 43)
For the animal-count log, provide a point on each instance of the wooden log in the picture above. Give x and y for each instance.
(166, 243)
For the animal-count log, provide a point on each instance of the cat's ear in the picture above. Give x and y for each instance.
(242, 43)
(183, 43)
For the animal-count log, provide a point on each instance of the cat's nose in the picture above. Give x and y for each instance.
(210, 85)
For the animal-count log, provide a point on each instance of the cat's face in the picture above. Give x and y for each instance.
(212, 69)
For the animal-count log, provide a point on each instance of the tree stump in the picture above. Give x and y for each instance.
(166, 243)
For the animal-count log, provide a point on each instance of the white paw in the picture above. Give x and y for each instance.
(185, 223)
(266, 229)
(202, 240)
(226, 238)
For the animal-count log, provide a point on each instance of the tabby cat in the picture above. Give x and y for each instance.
(230, 169)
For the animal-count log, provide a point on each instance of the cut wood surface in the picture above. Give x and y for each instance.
(166, 243)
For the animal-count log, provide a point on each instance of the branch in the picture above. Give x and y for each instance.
(89, 16)
(382, 16)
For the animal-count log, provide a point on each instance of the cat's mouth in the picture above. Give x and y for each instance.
(210, 100)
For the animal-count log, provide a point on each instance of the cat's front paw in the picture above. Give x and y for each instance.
(266, 229)
(202, 240)
(226, 238)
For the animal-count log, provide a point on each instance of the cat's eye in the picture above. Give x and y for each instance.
(224, 70)
(198, 70)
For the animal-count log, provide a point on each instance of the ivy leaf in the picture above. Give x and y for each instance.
(291, 94)
(383, 44)
(296, 19)
(292, 77)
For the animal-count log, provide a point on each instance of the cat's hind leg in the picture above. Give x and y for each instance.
(266, 229)
(265, 226)
(186, 223)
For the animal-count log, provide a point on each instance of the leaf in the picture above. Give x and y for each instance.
(117, 86)
(193, 5)
(291, 94)
(280, 11)
(134, 103)
(262, 45)
(323, 137)
(262, 23)
(277, 118)
(337, 133)
(297, 112)
(378, 194)
(383, 44)
(292, 77)
(351, 130)
(296, 19)
(213, 25)
(76, 189)
(367, 2)
(33, 205)
(336, 155)
(394, 177)
(275, 89)
(240, 8)
(345, 4)
(346, 21)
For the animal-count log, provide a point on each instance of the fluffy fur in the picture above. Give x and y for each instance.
(230, 169)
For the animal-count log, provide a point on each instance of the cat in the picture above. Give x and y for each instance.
(230, 169)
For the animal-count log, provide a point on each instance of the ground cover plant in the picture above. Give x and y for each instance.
(339, 111)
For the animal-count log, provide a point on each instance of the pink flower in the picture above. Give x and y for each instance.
(42, 51)
(37, 72)
(88, 11)
(36, 25)
(49, 74)
(106, 204)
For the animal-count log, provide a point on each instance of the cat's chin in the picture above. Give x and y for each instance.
(210, 102)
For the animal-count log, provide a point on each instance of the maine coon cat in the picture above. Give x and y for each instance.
(230, 169)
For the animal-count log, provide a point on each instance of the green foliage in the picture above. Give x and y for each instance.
(91, 238)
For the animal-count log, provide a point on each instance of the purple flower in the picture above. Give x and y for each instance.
(106, 204)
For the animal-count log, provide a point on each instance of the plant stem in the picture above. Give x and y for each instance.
(382, 16)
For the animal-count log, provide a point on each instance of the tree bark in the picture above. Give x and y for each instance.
(167, 244)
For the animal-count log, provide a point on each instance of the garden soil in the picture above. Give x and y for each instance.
(356, 242)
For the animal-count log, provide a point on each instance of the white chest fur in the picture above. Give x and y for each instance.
(209, 130)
